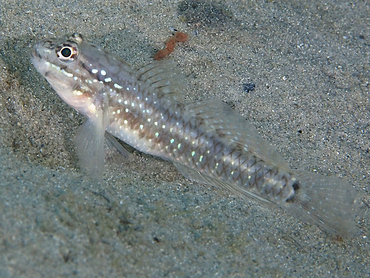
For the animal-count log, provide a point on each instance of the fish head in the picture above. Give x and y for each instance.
(62, 63)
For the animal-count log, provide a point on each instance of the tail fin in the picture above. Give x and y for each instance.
(327, 202)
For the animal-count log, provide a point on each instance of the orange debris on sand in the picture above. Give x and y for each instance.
(170, 45)
(181, 37)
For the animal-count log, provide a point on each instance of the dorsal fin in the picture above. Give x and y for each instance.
(234, 129)
(164, 78)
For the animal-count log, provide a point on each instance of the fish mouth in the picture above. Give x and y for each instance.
(39, 58)
(35, 53)
(36, 57)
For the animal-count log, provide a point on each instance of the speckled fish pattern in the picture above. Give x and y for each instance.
(207, 141)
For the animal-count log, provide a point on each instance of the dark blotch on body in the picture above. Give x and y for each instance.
(296, 186)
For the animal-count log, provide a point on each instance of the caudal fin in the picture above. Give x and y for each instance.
(328, 202)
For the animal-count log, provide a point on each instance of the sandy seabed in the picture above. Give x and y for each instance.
(309, 63)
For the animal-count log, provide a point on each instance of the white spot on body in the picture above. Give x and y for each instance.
(67, 73)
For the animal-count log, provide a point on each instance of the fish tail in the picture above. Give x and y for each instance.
(328, 202)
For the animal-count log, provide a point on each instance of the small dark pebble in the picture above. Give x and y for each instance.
(248, 87)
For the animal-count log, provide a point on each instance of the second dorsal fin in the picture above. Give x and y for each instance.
(234, 129)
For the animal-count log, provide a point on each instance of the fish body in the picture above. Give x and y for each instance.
(207, 141)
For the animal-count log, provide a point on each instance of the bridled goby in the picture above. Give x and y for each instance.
(207, 141)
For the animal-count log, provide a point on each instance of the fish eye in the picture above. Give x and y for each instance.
(66, 53)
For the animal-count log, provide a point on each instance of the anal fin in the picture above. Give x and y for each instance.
(233, 188)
